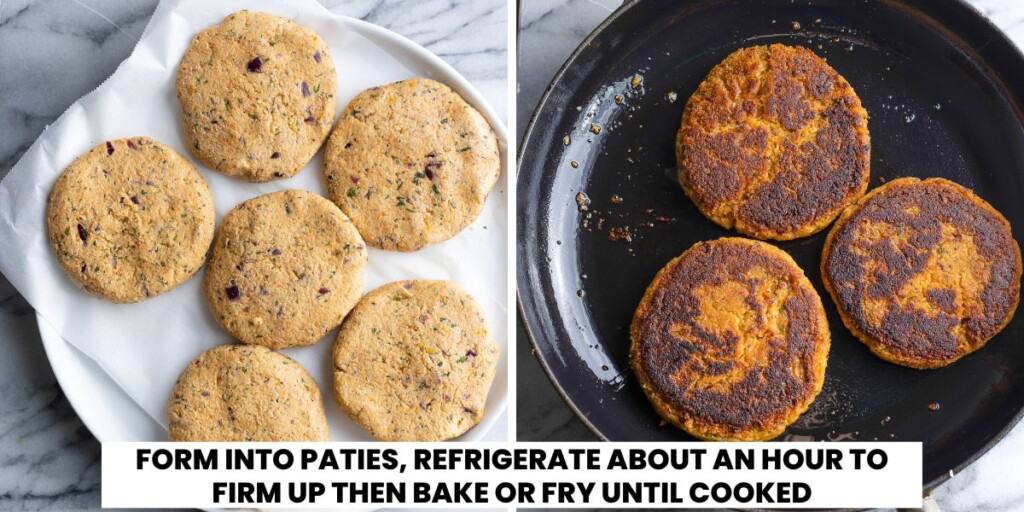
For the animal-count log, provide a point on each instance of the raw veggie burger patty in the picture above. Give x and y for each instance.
(414, 362)
(411, 163)
(245, 393)
(923, 272)
(257, 95)
(286, 268)
(774, 143)
(730, 341)
(130, 219)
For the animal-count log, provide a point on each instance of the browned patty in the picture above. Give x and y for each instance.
(923, 272)
(730, 341)
(774, 143)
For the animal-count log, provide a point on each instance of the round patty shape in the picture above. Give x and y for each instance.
(414, 362)
(130, 219)
(730, 341)
(245, 393)
(774, 143)
(257, 95)
(923, 272)
(286, 268)
(411, 163)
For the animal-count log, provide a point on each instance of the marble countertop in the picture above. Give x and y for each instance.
(51, 53)
(549, 32)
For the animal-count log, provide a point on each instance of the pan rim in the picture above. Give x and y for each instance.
(528, 316)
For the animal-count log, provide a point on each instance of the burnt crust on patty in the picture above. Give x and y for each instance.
(923, 272)
(774, 143)
(730, 341)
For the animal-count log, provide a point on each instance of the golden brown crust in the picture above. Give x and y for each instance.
(923, 272)
(730, 341)
(774, 143)
(130, 219)
(245, 393)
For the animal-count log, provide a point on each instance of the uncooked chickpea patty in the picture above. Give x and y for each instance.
(411, 163)
(923, 272)
(286, 268)
(414, 362)
(774, 143)
(730, 341)
(245, 393)
(257, 95)
(130, 219)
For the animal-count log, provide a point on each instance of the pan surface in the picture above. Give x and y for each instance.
(944, 91)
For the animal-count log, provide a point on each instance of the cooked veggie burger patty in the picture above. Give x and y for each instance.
(730, 341)
(923, 272)
(774, 143)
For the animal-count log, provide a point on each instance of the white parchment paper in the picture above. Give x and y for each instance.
(144, 346)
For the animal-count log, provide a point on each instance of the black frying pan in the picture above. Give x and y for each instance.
(943, 87)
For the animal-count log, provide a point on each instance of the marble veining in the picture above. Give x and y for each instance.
(550, 32)
(51, 53)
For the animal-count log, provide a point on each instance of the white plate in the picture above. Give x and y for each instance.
(111, 415)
